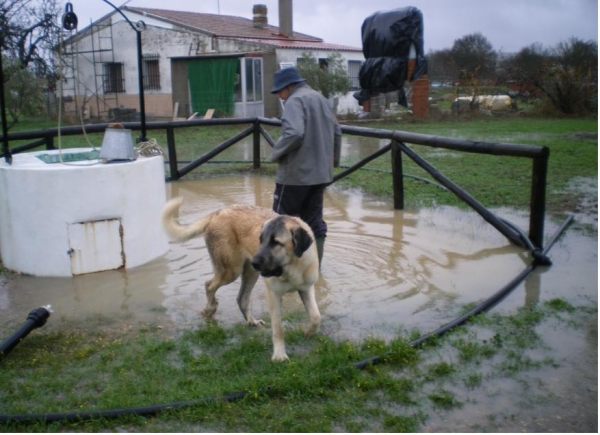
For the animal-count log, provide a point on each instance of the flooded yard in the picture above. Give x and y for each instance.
(385, 272)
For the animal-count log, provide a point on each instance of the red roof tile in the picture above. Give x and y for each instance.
(231, 27)
(300, 44)
(219, 25)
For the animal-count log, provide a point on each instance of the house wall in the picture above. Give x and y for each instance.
(272, 104)
(180, 89)
(118, 43)
(346, 103)
(172, 44)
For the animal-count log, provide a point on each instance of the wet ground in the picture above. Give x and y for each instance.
(384, 272)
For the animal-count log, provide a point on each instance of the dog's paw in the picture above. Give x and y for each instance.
(209, 312)
(256, 322)
(311, 330)
(279, 358)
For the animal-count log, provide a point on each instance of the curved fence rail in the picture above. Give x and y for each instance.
(398, 146)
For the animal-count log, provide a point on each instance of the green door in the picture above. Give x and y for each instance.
(211, 84)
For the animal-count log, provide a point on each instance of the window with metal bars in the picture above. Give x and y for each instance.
(151, 72)
(114, 78)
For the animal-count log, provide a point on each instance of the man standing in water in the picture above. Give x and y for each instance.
(306, 152)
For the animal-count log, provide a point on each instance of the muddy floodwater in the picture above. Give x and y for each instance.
(384, 272)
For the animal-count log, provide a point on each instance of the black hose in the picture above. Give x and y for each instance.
(36, 319)
(114, 413)
(154, 409)
(484, 306)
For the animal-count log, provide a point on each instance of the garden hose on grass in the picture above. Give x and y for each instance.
(154, 409)
(485, 305)
(36, 319)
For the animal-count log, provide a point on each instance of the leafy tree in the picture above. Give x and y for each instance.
(474, 56)
(329, 76)
(25, 92)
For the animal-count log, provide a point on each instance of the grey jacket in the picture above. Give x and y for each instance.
(310, 141)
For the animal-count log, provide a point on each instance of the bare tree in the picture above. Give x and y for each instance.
(523, 72)
(28, 31)
(579, 55)
(440, 66)
(474, 54)
(567, 75)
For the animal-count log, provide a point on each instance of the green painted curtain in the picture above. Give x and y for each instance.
(211, 84)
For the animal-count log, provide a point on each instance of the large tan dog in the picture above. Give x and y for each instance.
(245, 240)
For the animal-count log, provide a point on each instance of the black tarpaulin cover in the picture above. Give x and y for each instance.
(387, 38)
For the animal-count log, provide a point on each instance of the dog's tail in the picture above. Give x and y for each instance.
(176, 231)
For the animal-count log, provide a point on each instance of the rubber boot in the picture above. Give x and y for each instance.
(320, 241)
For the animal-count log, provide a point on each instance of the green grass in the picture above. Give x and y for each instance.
(493, 181)
(72, 368)
(68, 367)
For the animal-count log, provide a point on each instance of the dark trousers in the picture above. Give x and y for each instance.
(305, 202)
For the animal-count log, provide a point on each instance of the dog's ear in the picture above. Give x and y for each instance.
(302, 241)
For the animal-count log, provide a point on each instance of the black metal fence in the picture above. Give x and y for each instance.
(397, 148)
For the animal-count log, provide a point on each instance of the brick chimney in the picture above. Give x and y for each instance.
(286, 27)
(259, 17)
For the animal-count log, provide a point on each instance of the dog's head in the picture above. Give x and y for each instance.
(281, 239)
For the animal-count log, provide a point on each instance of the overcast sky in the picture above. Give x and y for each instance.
(508, 25)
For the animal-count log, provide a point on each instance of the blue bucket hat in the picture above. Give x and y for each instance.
(285, 77)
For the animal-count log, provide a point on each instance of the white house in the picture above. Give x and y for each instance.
(190, 61)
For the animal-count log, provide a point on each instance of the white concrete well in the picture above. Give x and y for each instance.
(61, 219)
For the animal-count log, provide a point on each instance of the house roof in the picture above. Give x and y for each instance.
(302, 45)
(238, 28)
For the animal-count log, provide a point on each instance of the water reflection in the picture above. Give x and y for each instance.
(354, 149)
(383, 270)
(125, 294)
